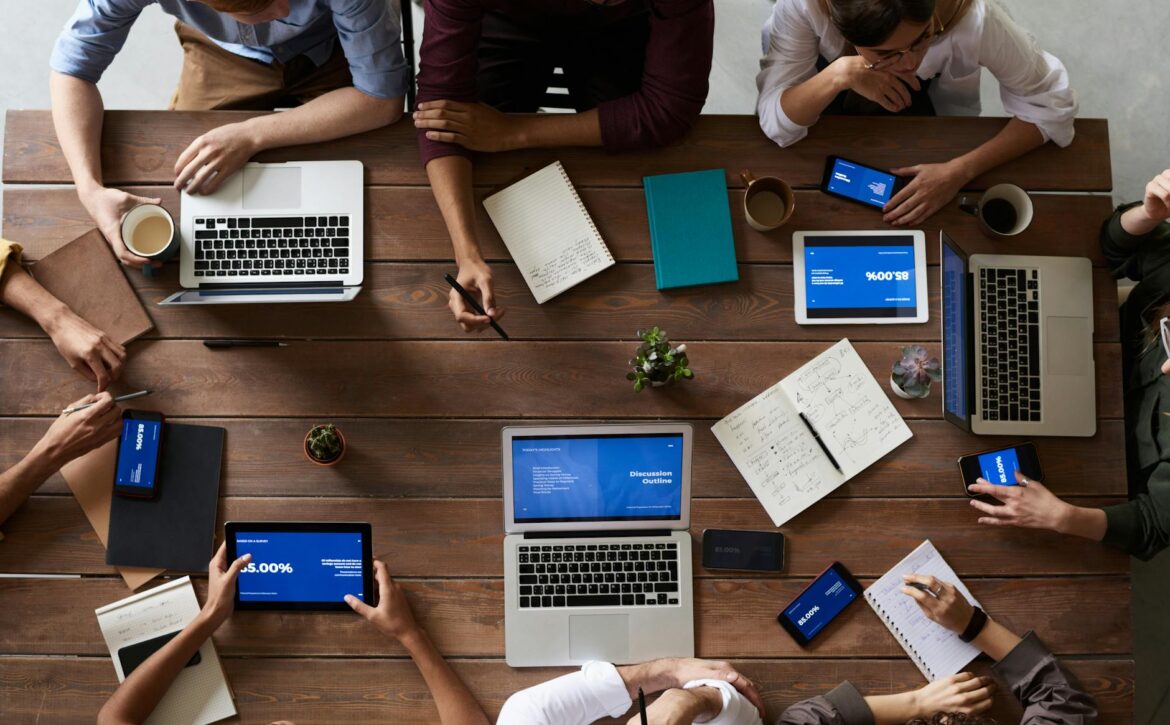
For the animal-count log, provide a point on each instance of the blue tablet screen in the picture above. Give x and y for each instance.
(860, 276)
(300, 566)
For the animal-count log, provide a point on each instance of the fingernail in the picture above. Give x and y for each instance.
(349, 599)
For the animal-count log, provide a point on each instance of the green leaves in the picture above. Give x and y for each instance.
(655, 361)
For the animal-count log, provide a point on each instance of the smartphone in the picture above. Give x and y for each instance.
(133, 655)
(999, 466)
(743, 550)
(859, 183)
(139, 454)
(820, 603)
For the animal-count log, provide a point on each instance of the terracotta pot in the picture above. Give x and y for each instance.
(335, 461)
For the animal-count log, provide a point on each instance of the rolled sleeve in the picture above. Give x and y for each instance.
(791, 47)
(93, 36)
(371, 36)
(448, 64)
(736, 710)
(580, 698)
(1049, 694)
(843, 705)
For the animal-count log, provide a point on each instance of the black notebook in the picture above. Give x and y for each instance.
(176, 529)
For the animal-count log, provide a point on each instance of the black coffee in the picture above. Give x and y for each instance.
(1000, 215)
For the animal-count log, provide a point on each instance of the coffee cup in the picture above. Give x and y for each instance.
(768, 202)
(1004, 210)
(148, 230)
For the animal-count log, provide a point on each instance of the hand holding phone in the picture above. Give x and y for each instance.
(859, 183)
(999, 466)
(139, 454)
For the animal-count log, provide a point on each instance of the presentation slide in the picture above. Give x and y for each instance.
(999, 467)
(824, 600)
(138, 452)
(860, 276)
(608, 478)
(865, 185)
(954, 274)
(300, 566)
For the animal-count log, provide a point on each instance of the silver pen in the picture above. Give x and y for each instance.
(119, 399)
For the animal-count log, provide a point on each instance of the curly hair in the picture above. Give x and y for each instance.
(954, 718)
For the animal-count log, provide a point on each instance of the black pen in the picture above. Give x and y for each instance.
(642, 706)
(224, 344)
(922, 587)
(820, 442)
(474, 305)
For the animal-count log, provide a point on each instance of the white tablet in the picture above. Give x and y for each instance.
(859, 278)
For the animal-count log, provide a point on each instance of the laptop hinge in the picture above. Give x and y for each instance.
(973, 401)
(268, 285)
(594, 534)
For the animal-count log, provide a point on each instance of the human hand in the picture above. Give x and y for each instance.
(474, 277)
(888, 89)
(962, 692)
(675, 672)
(476, 126)
(106, 207)
(1156, 203)
(87, 349)
(682, 707)
(932, 187)
(1029, 505)
(944, 605)
(213, 157)
(75, 434)
(392, 616)
(221, 585)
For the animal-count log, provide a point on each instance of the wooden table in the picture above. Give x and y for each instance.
(422, 406)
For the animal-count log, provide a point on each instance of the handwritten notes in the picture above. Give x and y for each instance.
(778, 456)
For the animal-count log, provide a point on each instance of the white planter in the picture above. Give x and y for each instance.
(902, 393)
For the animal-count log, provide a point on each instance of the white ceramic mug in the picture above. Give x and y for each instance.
(134, 221)
(1004, 210)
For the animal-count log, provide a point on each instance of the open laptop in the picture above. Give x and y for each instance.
(288, 232)
(597, 557)
(1017, 343)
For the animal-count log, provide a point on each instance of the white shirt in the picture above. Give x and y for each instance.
(1032, 83)
(597, 691)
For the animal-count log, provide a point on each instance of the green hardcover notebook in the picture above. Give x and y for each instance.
(690, 229)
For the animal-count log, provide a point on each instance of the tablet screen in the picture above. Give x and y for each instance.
(860, 276)
(300, 566)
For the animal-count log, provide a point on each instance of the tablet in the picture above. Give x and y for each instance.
(859, 278)
(301, 565)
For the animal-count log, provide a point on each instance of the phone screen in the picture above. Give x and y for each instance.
(820, 603)
(860, 183)
(999, 467)
(138, 453)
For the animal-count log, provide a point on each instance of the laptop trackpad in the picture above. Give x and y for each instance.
(1065, 353)
(602, 637)
(272, 187)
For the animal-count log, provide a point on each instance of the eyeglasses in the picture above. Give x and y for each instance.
(892, 57)
(1165, 325)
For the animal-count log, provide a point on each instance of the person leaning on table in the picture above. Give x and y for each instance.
(341, 59)
(911, 57)
(637, 75)
(1048, 693)
(1136, 243)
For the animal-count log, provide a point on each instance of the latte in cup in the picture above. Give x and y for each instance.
(151, 235)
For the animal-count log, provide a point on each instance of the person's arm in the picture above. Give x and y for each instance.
(1141, 526)
(1031, 505)
(136, 698)
(392, 617)
(1135, 239)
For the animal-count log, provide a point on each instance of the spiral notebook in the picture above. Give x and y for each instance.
(936, 650)
(548, 232)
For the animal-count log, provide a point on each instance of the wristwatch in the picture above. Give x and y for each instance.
(975, 626)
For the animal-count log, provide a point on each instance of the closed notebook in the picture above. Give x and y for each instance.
(690, 229)
(85, 276)
(176, 529)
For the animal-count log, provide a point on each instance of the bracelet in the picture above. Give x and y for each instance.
(975, 626)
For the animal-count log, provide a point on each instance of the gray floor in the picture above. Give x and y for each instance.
(1115, 56)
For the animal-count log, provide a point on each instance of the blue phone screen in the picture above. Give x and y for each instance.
(138, 453)
(861, 183)
(820, 603)
(999, 467)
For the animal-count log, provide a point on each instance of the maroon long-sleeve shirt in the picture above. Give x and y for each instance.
(674, 77)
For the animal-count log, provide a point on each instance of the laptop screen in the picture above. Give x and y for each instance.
(597, 478)
(956, 336)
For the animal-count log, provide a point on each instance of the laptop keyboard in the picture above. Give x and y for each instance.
(1010, 321)
(253, 246)
(598, 575)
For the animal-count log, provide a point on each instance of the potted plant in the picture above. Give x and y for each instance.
(657, 363)
(912, 375)
(325, 445)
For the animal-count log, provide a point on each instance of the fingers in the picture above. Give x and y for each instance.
(489, 297)
(234, 570)
(202, 176)
(188, 156)
(898, 87)
(906, 170)
(447, 137)
(382, 576)
(927, 581)
(747, 688)
(219, 561)
(1003, 493)
(995, 512)
(446, 105)
(467, 319)
(103, 403)
(906, 192)
(444, 124)
(357, 605)
(94, 360)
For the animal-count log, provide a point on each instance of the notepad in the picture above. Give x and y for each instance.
(690, 229)
(548, 232)
(777, 455)
(936, 650)
(200, 694)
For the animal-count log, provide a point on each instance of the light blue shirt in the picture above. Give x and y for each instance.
(369, 31)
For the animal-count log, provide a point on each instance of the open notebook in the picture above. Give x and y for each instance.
(936, 650)
(777, 454)
(548, 232)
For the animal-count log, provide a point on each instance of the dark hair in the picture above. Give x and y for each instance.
(954, 718)
(867, 23)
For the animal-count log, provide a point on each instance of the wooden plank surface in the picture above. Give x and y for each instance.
(140, 147)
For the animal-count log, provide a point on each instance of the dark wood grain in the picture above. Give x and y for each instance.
(486, 378)
(50, 534)
(54, 691)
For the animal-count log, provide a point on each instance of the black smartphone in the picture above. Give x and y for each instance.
(820, 603)
(139, 454)
(859, 183)
(133, 655)
(743, 550)
(999, 466)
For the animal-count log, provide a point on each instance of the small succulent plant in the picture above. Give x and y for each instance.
(656, 362)
(325, 443)
(914, 373)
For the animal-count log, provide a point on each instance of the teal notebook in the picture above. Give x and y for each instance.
(690, 229)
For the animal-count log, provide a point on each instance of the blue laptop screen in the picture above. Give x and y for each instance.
(955, 333)
(597, 478)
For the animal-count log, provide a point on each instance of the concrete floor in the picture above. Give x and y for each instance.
(1114, 53)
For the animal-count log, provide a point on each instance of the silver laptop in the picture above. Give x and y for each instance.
(597, 557)
(1018, 343)
(289, 232)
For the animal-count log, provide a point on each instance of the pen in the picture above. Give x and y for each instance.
(119, 399)
(642, 706)
(921, 587)
(474, 305)
(820, 442)
(224, 344)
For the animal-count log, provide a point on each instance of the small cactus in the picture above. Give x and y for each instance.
(656, 362)
(916, 371)
(325, 443)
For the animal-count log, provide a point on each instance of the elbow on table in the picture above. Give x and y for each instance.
(387, 111)
(775, 123)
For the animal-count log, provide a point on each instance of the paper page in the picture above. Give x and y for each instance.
(776, 455)
(549, 234)
(848, 408)
(200, 693)
(936, 650)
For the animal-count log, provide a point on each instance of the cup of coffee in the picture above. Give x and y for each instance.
(1004, 210)
(768, 202)
(149, 231)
